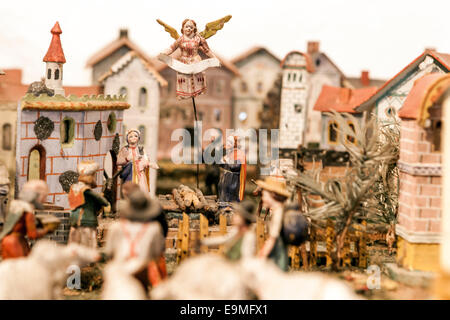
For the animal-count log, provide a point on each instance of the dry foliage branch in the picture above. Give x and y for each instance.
(368, 191)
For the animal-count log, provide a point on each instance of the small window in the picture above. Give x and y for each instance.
(244, 87)
(141, 129)
(332, 132)
(200, 115)
(259, 86)
(57, 74)
(289, 76)
(49, 74)
(350, 138)
(243, 116)
(111, 123)
(123, 91)
(294, 77)
(300, 77)
(318, 62)
(390, 111)
(298, 108)
(220, 84)
(217, 114)
(7, 137)
(143, 97)
(67, 131)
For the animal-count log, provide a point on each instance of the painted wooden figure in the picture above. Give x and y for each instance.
(189, 66)
(21, 222)
(85, 205)
(135, 162)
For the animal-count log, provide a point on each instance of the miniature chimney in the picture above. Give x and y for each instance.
(365, 80)
(123, 33)
(313, 47)
(54, 62)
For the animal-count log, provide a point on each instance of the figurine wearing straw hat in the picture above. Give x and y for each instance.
(85, 205)
(274, 196)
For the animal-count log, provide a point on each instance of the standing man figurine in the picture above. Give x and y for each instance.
(20, 221)
(85, 205)
(274, 196)
(134, 161)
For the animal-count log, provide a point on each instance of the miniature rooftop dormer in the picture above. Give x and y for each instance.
(54, 62)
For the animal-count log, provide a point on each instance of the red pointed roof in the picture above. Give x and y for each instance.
(55, 52)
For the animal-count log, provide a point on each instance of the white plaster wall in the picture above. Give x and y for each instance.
(133, 77)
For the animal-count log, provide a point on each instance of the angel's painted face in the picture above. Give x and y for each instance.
(188, 28)
(133, 138)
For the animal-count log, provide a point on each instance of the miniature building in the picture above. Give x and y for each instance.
(54, 60)
(214, 107)
(420, 167)
(297, 68)
(339, 100)
(55, 133)
(389, 98)
(134, 77)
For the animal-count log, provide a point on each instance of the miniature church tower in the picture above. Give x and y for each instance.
(294, 94)
(54, 62)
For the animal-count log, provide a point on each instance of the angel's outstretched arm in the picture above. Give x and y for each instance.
(173, 47)
(205, 48)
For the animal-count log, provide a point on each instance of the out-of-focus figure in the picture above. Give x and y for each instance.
(4, 191)
(240, 242)
(274, 195)
(21, 222)
(85, 205)
(138, 237)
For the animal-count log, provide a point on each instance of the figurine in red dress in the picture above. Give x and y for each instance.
(20, 221)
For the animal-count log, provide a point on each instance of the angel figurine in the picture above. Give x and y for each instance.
(189, 65)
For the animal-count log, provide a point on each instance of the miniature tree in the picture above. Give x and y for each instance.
(373, 150)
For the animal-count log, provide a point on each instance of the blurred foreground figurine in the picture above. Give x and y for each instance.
(134, 161)
(189, 66)
(240, 242)
(21, 222)
(137, 236)
(274, 195)
(233, 173)
(4, 191)
(85, 205)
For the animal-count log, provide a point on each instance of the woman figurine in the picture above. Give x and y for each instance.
(234, 171)
(274, 196)
(134, 161)
(189, 65)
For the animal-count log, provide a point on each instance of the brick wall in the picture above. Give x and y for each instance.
(60, 235)
(420, 183)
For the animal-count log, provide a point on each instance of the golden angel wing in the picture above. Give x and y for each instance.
(173, 33)
(212, 27)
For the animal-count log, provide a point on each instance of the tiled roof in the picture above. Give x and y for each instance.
(112, 47)
(55, 52)
(125, 60)
(251, 52)
(341, 99)
(424, 93)
(73, 103)
(309, 64)
(442, 58)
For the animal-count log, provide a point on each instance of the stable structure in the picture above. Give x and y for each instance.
(133, 76)
(55, 133)
(420, 167)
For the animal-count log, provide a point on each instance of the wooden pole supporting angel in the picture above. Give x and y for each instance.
(190, 67)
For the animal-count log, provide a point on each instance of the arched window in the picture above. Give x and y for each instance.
(111, 123)
(143, 97)
(56, 74)
(437, 135)
(49, 74)
(123, 91)
(332, 132)
(294, 76)
(350, 138)
(244, 86)
(141, 129)
(217, 114)
(67, 132)
(7, 137)
(36, 163)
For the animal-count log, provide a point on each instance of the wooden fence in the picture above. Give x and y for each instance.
(316, 251)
